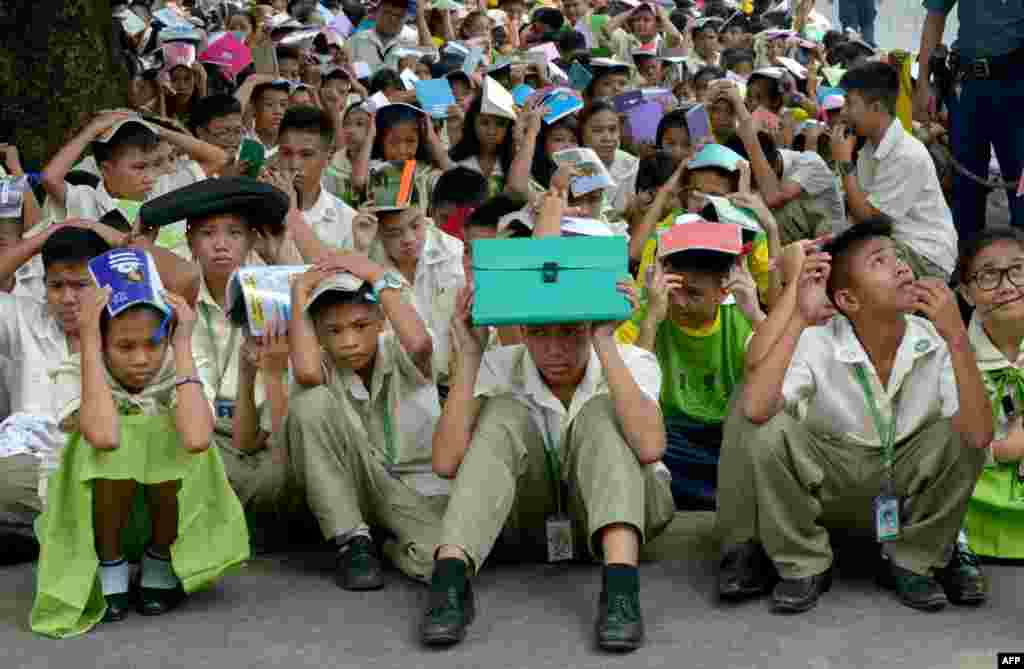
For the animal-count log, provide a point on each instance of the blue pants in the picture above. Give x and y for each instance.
(692, 457)
(859, 15)
(986, 115)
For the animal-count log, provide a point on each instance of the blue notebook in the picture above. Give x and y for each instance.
(520, 93)
(560, 104)
(435, 96)
(579, 76)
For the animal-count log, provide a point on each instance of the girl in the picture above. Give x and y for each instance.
(136, 469)
(600, 130)
(487, 145)
(992, 281)
(560, 135)
(188, 85)
(242, 24)
(673, 135)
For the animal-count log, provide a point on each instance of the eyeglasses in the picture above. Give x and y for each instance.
(991, 278)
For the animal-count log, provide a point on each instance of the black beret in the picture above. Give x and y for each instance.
(263, 206)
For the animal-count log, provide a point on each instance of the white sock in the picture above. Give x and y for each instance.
(114, 576)
(157, 573)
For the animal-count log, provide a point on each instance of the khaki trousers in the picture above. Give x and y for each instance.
(348, 489)
(803, 484)
(19, 492)
(503, 479)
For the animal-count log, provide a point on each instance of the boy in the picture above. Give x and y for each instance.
(877, 410)
(701, 311)
(124, 146)
(41, 339)
(739, 61)
(894, 174)
(306, 141)
(269, 100)
(288, 59)
(357, 438)
(705, 43)
(637, 28)
(457, 193)
(569, 400)
(389, 32)
(217, 119)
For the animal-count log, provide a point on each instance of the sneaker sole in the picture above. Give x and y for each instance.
(362, 587)
(619, 645)
(742, 594)
(931, 605)
(969, 600)
(443, 639)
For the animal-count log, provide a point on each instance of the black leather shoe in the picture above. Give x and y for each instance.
(796, 595)
(620, 622)
(448, 615)
(745, 572)
(961, 579)
(158, 601)
(117, 607)
(17, 548)
(917, 590)
(359, 567)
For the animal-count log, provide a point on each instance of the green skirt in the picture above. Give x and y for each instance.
(212, 534)
(995, 513)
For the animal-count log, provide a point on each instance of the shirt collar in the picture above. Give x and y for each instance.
(438, 246)
(383, 364)
(323, 208)
(917, 342)
(204, 294)
(533, 385)
(988, 356)
(890, 140)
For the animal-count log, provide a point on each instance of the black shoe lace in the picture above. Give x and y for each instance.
(622, 608)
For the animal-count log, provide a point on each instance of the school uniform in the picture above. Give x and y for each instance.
(820, 197)
(496, 180)
(28, 283)
(508, 477)
(624, 170)
(69, 598)
(337, 179)
(330, 220)
(818, 463)
(996, 509)
(363, 456)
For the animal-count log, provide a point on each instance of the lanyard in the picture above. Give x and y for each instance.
(220, 371)
(389, 435)
(553, 465)
(886, 432)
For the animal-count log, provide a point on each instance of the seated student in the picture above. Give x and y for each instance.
(41, 338)
(636, 28)
(487, 145)
(357, 141)
(739, 61)
(706, 48)
(701, 311)
(611, 78)
(572, 389)
(143, 420)
(357, 439)
(269, 101)
(305, 143)
(991, 274)
(894, 174)
(124, 149)
(877, 421)
(457, 193)
(702, 79)
(600, 130)
(648, 67)
(288, 59)
(217, 119)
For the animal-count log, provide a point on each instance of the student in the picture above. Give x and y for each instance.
(457, 194)
(894, 174)
(702, 81)
(356, 437)
(288, 59)
(739, 61)
(143, 420)
(611, 78)
(40, 338)
(560, 135)
(705, 43)
(702, 308)
(267, 105)
(569, 386)
(306, 142)
(639, 27)
(648, 67)
(188, 86)
(600, 130)
(991, 278)
(337, 179)
(764, 90)
(487, 145)
(826, 442)
(217, 120)
(389, 32)
(430, 261)
(673, 135)
(123, 146)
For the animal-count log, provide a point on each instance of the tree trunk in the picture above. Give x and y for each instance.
(58, 66)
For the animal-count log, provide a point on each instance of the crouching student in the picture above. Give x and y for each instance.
(992, 280)
(874, 422)
(701, 310)
(141, 434)
(568, 410)
(358, 439)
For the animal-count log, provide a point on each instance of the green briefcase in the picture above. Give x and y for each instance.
(549, 280)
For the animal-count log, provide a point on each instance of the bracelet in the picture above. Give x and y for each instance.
(183, 380)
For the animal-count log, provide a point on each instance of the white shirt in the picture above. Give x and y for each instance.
(367, 46)
(812, 173)
(623, 169)
(331, 220)
(991, 359)
(511, 370)
(900, 179)
(822, 391)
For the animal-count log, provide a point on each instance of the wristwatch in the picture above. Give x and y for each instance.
(389, 279)
(845, 168)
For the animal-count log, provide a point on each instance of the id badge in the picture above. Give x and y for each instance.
(560, 538)
(887, 517)
(224, 409)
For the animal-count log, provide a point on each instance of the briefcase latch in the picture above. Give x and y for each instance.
(549, 271)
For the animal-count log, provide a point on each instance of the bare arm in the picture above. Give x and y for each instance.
(211, 158)
(98, 420)
(307, 363)
(193, 416)
(518, 181)
(931, 37)
(639, 415)
(245, 433)
(53, 174)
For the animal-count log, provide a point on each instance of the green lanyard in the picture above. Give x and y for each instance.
(389, 436)
(886, 432)
(220, 371)
(553, 465)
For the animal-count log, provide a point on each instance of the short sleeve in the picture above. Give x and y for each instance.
(898, 185)
(10, 323)
(86, 202)
(812, 173)
(947, 386)
(188, 173)
(646, 371)
(798, 385)
(404, 364)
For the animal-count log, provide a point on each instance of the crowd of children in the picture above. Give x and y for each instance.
(796, 358)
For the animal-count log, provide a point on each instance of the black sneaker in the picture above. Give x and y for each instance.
(448, 615)
(158, 601)
(917, 590)
(961, 579)
(744, 572)
(117, 607)
(17, 548)
(359, 566)
(796, 595)
(620, 622)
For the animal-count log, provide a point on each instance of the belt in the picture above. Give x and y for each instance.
(1001, 67)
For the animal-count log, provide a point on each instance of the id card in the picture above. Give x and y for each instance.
(224, 409)
(887, 517)
(560, 538)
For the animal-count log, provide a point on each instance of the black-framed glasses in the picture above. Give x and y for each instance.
(991, 277)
